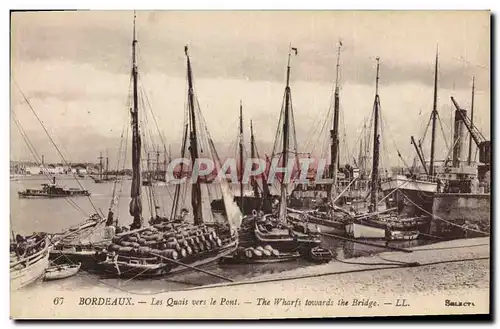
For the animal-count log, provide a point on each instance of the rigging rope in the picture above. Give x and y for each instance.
(97, 210)
(36, 156)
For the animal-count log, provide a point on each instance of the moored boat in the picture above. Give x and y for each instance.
(259, 255)
(29, 258)
(52, 191)
(57, 272)
(171, 244)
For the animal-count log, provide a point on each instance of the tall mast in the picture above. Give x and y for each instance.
(334, 161)
(376, 145)
(286, 125)
(100, 165)
(471, 123)
(193, 140)
(241, 156)
(252, 156)
(434, 117)
(107, 164)
(157, 171)
(135, 208)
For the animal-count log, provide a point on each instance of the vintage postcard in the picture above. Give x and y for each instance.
(249, 164)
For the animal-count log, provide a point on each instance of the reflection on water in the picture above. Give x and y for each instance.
(55, 215)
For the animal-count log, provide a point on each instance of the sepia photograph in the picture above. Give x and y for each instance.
(249, 164)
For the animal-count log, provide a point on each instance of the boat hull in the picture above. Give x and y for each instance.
(23, 194)
(88, 259)
(419, 192)
(324, 225)
(262, 260)
(63, 273)
(363, 231)
(21, 277)
(124, 268)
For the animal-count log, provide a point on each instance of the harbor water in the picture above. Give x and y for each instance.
(57, 214)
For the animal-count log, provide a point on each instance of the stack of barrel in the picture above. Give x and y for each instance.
(260, 251)
(170, 240)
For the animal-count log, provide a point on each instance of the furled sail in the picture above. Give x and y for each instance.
(234, 215)
(135, 207)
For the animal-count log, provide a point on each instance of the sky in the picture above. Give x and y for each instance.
(74, 67)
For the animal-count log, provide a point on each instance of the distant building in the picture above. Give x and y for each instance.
(34, 170)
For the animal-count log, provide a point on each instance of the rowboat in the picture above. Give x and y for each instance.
(57, 272)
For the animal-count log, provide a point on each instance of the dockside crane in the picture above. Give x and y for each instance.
(483, 145)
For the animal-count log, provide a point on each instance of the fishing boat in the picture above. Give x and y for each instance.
(320, 255)
(259, 198)
(52, 190)
(57, 272)
(322, 197)
(29, 258)
(171, 247)
(259, 255)
(380, 224)
(103, 177)
(320, 220)
(274, 228)
(417, 187)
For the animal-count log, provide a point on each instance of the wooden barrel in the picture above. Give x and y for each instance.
(257, 253)
(152, 237)
(183, 253)
(171, 245)
(170, 253)
(202, 238)
(156, 251)
(189, 250)
(201, 246)
(214, 244)
(275, 252)
(167, 235)
(249, 252)
(178, 247)
(266, 252)
(151, 243)
(260, 248)
(179, 236)
(144, 251)
(133, 238)
(196, 239)
(142, 241)
(135, 245)
(159, 226)
(268, 247)
(125, 250)
(171, 239)
(126, 243)
(116, 240)
(219, 242)
(114, 247)
(162, 246)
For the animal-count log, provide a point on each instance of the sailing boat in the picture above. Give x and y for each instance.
(29, 258)
(172, 245)
(255, 201)
(420, 189)
(381, 224)
(327, 219)
(103, 177)
(275, 229)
